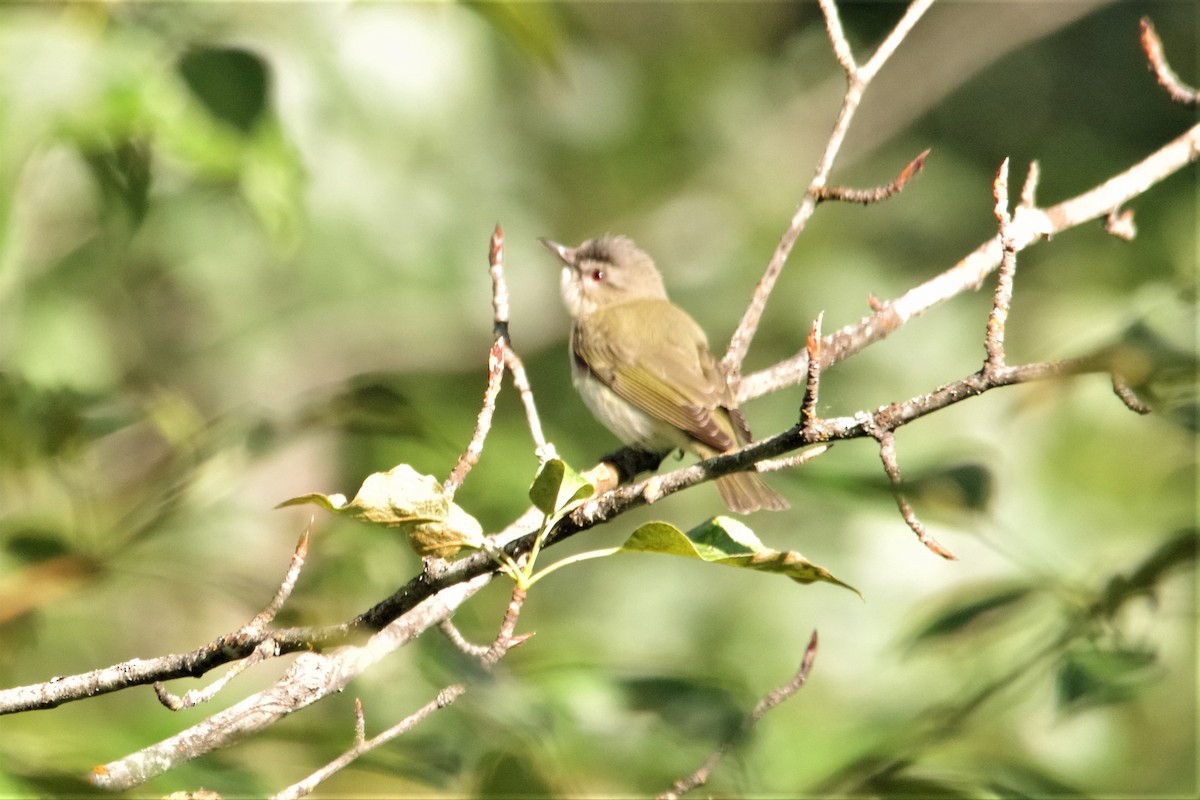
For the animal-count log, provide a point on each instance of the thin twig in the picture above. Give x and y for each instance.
(891, 465)
(837, 37)
(511, 360)
(857, 81)
(1179, 91)
(1002, 299)
(496, 363)
(1029, 226)
(1029, 188)
(1123, 390)
(264, 650)
(876, 195)
(794, 460)
(299, 554)
(808, 406)
(305, 787)
(503, 643)
(456, 637)
(768, 702)
(898, 34)
(505, 640)
(520, 381)
(483, 423)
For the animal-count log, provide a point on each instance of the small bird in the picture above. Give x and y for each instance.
(643, 367)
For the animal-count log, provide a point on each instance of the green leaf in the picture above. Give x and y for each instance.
(232, 83)
(1098, 676)
(404, 498)
(982, 608)
(723, 540)
(558, 487)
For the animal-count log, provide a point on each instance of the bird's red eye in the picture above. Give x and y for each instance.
(597, 275)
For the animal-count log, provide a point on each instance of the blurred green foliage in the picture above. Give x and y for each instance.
(243, 257)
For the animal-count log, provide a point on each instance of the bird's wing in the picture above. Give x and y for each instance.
(665, 370)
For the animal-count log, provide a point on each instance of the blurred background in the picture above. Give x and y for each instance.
(243, 258)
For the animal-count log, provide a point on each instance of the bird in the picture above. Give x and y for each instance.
(643, 367)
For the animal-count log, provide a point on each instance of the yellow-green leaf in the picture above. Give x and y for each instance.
(404, 498)
(723, 540)
(557, 486)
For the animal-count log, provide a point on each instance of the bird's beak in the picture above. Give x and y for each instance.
(565, 254)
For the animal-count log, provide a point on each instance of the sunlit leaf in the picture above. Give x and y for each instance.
(404, 498)
(723, 540)
(557, 486)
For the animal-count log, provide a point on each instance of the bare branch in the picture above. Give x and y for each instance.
(455, 636)
(879, 193)
(311, 677)
(496, 360)
(505, 640)
(837, 37)
(794, 460)
(770, 701)
(483, 423)
(998, 318)
(899, 33)
(511, 359)
(1029, 225)
(887, 454)
(1179, 91)
(808, 406)
(267, 615)
(503, 643)
(1029, 188)
(194, 697)
(858, 80)
(525, 390)
(305, 787)
(1128, 396)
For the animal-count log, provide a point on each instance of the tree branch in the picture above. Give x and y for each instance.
(857, 81)
(1029, 226)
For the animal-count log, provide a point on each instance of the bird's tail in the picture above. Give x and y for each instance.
(745, 492)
